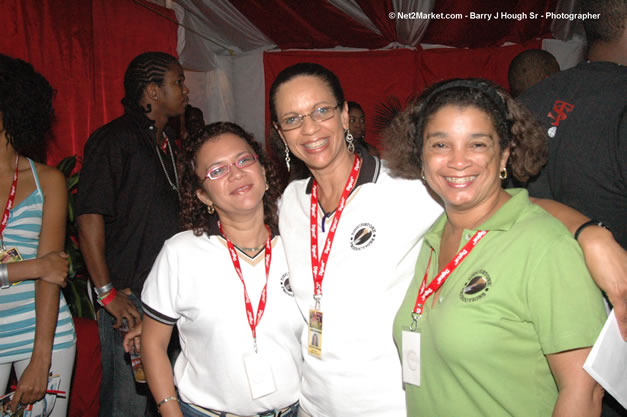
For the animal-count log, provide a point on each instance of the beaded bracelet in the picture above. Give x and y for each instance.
(165, 400)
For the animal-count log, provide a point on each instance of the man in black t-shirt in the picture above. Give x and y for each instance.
(585, 112)
(127, 206)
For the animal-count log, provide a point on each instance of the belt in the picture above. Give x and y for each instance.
(269, 413)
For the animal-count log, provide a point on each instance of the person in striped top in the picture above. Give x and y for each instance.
(37, 336)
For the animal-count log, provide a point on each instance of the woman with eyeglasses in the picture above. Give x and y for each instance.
(351, 234)
(224, 283)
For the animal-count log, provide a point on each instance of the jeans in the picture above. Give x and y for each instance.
(120, 396)
(189, 411)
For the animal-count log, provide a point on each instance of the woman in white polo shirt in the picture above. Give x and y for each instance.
(224, 283)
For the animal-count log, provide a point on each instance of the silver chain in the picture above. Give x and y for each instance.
(175, 186)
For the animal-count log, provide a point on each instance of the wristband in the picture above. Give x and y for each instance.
(4, 276)
(590, 223)
(165, 400)
(102, 291)
(104, 301)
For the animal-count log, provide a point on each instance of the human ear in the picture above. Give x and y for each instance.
(204, 197)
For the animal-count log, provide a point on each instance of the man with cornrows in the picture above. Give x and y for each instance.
(127, 206)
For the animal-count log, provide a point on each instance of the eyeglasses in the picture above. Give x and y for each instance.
(319, 115)
(243, 161)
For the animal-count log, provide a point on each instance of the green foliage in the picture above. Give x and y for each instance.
(76, 291)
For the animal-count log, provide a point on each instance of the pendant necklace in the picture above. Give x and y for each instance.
(175, 185)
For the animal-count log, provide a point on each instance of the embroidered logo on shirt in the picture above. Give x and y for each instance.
(363, 236)
(285, 284)
(476, 287)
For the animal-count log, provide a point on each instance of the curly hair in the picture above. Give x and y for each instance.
(26, 107)
(193, 214)
(516, 127)
(146, 68)
(298, 168)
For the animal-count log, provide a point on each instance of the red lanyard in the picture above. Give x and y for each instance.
(10, 200)
(252, 321)
(426, 291)
(319, 265)
(164, 145)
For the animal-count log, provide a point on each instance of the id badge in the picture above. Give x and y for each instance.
(411, 357)
(314, 336)
(259, 372)
(10, 255)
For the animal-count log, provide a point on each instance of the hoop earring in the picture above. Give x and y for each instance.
(503, 174)
(349, 141)
(267, 187)
(287, 157)
(211, 209)
(422, 174)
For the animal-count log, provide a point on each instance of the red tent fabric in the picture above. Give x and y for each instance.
(83, 47)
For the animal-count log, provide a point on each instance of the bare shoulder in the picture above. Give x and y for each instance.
(51, 179)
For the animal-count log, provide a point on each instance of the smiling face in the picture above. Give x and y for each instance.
(462, 157)
(240, 192)
(320, 145)
(173, 93)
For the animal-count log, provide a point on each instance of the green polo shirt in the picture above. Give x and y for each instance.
(522, 293)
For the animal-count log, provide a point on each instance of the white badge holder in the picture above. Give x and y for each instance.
(260, 377)
(411, 357)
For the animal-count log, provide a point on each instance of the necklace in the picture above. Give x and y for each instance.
(257, 249)
(175, 185)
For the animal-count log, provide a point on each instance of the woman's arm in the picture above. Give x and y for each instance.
(33, 382)
(154, 352)
(605, 258)
(51, 268)
(579, 395)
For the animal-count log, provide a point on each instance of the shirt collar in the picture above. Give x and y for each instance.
(502, 220)
(369, 172)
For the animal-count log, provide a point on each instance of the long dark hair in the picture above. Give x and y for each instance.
(194, 215)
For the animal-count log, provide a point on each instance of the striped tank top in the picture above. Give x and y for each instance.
(17, 303)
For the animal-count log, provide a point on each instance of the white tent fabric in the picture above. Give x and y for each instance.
(222, 53)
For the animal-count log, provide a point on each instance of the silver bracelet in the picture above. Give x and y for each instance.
(4, 276)
(104, 289)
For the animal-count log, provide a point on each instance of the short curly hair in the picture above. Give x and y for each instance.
(516, 127)
(194, 215)
(25, 106)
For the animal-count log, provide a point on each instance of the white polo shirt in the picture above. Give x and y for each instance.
(369, 269)
(193, 284)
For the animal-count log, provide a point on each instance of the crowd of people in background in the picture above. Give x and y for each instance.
(323, 279)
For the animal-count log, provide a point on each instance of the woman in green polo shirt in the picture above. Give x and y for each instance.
(501, 312)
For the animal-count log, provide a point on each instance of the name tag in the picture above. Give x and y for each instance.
(260, 377)
(411, 357)
(314, 336)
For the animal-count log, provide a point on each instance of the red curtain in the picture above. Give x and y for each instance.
(371, 77)
(83, 47)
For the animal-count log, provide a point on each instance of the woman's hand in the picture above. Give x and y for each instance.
(32, 385)
(54, 267)
(133, 338)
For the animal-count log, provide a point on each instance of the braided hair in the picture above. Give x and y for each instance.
(149, 67)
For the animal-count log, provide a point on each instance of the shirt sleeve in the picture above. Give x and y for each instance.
(565, 305)
(161, 288)
(100, 175)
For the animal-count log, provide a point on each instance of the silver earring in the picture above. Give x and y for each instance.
(287, 157)
(503, 174)
(211, 209)
(349, 141)
(267, 187)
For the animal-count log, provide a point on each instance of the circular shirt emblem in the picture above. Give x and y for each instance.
(363, 236)
(285, 284)
(476, 287)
